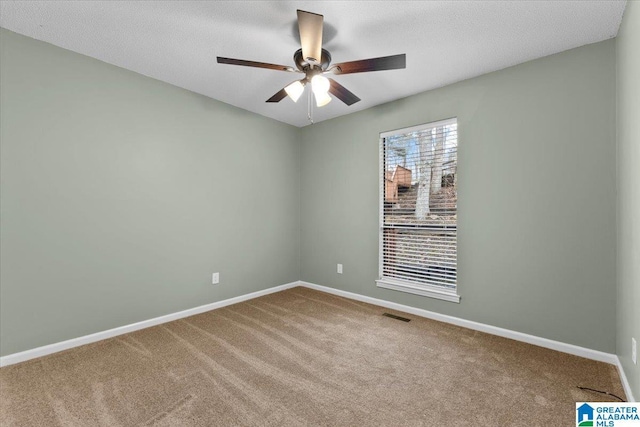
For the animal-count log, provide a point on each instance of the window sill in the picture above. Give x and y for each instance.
(423, 290)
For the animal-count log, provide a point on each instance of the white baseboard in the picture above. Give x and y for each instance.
(625, 381)
(87, 339)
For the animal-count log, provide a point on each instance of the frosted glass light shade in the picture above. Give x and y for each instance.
(320, 84)
(322, 98)
(294, 90)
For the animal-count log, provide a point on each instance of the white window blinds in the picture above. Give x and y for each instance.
(418, 209)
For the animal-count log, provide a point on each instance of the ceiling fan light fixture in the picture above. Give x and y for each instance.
(295, 90)
(322, 98)
(320, 84)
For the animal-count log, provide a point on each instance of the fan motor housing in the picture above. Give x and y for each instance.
(304, 65)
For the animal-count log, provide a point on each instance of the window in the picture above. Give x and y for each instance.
(418, 210)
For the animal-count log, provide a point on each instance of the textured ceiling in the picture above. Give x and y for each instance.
(445, 41)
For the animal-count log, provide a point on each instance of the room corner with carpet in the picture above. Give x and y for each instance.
(301, 356)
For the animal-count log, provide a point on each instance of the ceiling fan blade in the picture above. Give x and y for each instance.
(279, 96)
(342, 93)
(255, 64)
(310, 27)
(393, 62)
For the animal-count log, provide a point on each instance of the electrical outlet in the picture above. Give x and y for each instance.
(339, 268)
(634, 351)
(215, 278)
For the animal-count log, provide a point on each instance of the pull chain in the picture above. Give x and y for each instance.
(309, 107)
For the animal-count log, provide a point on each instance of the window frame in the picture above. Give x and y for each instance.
(422, 289)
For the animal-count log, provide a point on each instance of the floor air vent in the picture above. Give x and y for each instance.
(393, 316)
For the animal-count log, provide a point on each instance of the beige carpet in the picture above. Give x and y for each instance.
(302, 357)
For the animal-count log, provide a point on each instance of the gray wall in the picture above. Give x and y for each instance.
(537, 204)
(122, 194)
(628, 96)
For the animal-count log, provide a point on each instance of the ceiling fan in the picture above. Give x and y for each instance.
(314, 61)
